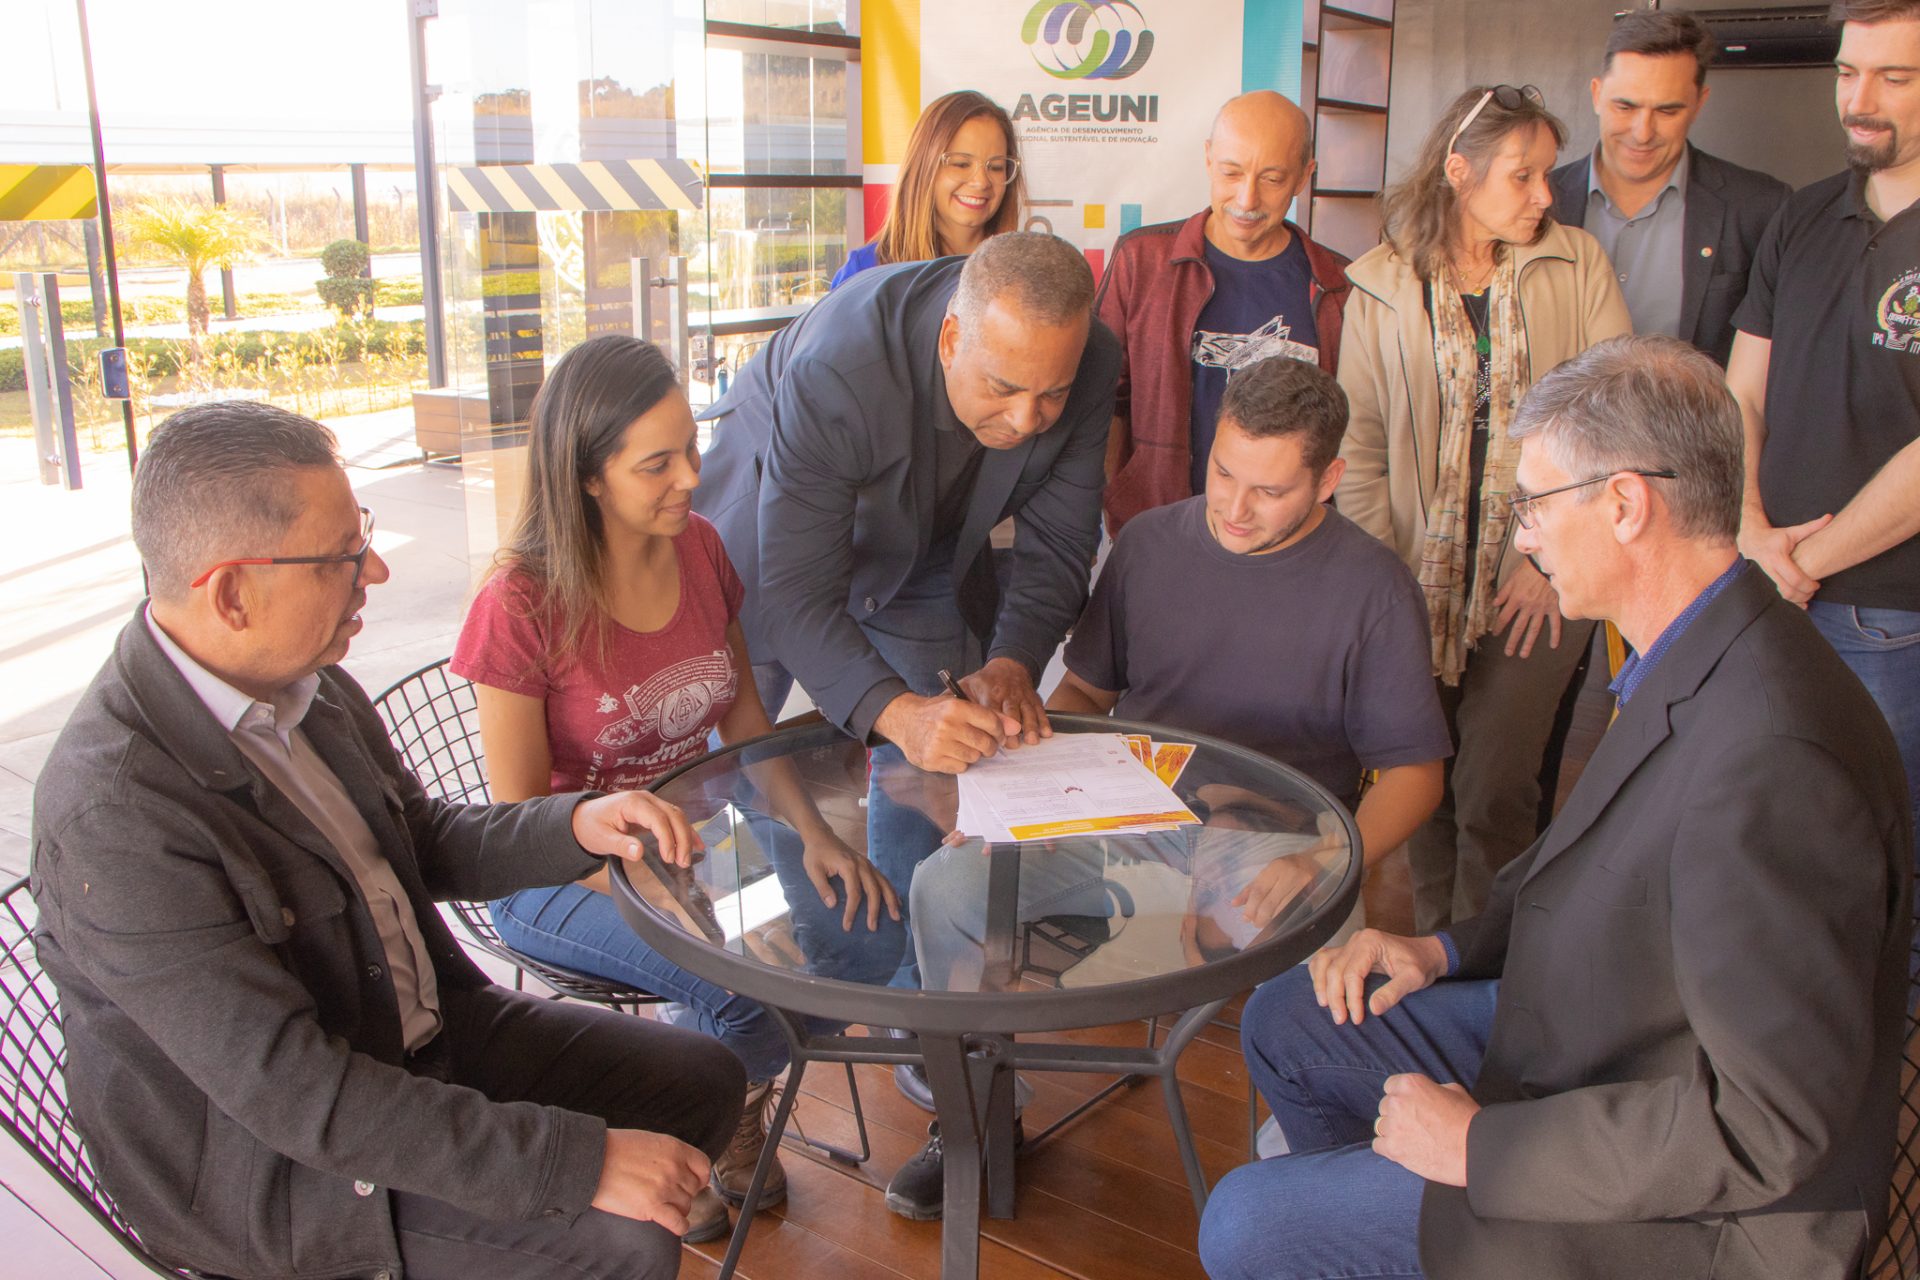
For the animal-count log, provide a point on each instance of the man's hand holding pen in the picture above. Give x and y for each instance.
(946, 734)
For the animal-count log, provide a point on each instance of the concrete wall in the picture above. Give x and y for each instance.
(1781, 122)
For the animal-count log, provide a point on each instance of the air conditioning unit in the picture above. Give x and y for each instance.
(1793, 36)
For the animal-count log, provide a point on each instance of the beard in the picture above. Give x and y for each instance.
(1871, 157)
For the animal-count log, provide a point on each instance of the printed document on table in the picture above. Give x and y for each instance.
(1071, 784)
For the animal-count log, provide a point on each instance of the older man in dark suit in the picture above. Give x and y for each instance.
(1679, 224)
(1670, 1046)
(860, 463)
(284, 1065)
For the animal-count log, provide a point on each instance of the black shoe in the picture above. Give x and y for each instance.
(918, 1188)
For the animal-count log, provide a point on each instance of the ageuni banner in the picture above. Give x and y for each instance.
(1111, 99)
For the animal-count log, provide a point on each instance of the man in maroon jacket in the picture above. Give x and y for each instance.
(1192, 301)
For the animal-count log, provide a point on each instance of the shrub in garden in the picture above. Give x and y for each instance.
(345, 289)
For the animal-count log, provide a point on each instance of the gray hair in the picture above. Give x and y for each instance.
(1046, 279)
(1646, 403)
(210, 487)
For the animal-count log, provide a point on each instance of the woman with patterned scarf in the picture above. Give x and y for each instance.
(1474, 294)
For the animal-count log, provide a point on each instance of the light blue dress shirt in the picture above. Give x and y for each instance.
(1647, 249)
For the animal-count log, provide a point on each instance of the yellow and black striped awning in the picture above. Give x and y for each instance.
(46, 192)
(597, 186)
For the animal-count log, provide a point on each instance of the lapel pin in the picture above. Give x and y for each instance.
(1706, 251)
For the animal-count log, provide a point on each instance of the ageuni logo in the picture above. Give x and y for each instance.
(1087, 39)
(1899, 313)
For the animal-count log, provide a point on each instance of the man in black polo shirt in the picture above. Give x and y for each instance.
(1826, 366)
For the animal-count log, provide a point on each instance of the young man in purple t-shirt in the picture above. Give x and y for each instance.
(1256, 613)
(1251, 612)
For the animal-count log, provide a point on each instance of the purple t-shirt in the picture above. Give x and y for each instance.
(1317, 655)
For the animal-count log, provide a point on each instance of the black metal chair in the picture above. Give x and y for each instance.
(1898, 1255)
(433, 720)
(33, 1081)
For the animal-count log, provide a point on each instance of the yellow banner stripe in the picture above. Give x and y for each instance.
(461, 196)
(76, 198)
(1094, 826)
(46, 192)
(512, 182)
(660, 184)
(611, 191)
(596, 186)
(889, 78)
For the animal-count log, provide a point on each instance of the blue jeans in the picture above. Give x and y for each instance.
(1882, 647)
(576, 928)
(918, 634)
(1332, 1208)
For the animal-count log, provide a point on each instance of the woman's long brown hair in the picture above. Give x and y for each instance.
(908, 234)
(1422, 210)
(580, 419)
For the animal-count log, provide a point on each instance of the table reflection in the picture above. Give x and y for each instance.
(1058, 913)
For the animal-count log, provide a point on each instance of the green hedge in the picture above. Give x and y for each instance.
(250, 348)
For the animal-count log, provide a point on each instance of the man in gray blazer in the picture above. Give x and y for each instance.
(1671, 1044)
(1679, 224)
(283, 1063)
(860, 462)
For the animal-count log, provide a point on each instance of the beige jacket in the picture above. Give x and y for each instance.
(1568, 301)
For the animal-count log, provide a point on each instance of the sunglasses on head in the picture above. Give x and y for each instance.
(1510, 98)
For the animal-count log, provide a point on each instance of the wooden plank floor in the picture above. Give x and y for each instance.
(1104, 1199)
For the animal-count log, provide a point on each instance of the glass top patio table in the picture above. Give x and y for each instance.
(994, 940)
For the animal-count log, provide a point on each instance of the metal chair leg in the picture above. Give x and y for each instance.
(830, 1150)
(751, 1204)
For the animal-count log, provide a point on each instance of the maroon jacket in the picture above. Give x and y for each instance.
(1156, 284)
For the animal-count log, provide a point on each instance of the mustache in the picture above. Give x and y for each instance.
(1865, 122)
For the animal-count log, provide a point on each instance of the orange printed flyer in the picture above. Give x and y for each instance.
(1170, 760)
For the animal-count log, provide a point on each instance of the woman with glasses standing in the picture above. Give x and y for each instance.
(959, 184)
(1475, 293)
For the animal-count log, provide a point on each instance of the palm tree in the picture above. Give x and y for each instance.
(198, 236)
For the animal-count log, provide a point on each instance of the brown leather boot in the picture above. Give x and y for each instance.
(733, 1171)
(707, 1220)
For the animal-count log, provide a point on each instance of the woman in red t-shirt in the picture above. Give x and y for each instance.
(604, 648)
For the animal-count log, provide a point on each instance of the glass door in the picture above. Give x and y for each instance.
(678, 169)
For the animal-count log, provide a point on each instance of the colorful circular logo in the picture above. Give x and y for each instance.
(1087, 39)
(1899, 311)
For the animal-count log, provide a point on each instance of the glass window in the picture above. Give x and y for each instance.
(828, 17)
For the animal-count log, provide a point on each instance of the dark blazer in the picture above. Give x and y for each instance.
(821, 481)
(1695, 1058)
(1727, 209)
(237, 1064)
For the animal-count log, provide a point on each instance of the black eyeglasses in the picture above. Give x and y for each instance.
(1510, 98)
(1522, 503)
(358, 559)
